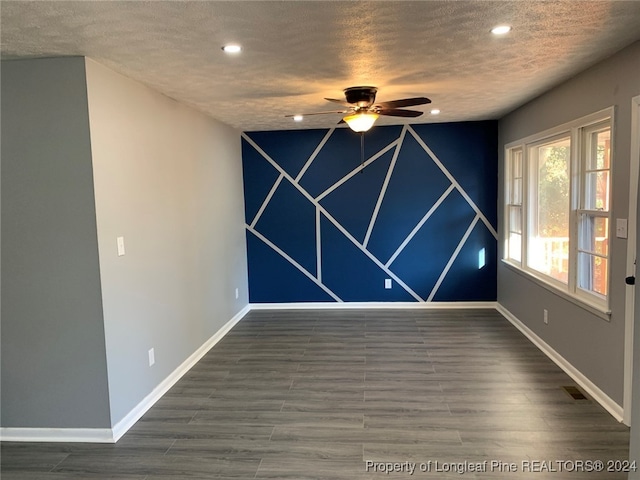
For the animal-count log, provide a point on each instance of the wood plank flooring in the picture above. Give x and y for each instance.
(333, 394)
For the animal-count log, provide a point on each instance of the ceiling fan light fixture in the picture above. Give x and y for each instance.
(435, 111)
(361, 122)
(298, 118)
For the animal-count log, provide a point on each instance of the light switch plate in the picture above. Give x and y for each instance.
(120, 246)
(387, 283)
(621, 227)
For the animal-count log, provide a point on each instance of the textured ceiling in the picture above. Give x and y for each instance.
(297, 52)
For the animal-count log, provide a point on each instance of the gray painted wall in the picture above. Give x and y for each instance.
(169, 180)
(591, 344)
(89, 155)
(54, 371)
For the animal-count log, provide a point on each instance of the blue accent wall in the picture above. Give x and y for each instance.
(422, 212)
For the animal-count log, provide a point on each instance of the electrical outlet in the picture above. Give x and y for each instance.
(387, 283)
(152, 357)
(545, 316)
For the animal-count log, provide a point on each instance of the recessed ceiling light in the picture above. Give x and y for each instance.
(435, 111)
(297, 118)
(232, 48)
(501, 29)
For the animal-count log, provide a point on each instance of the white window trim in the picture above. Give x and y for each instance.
(569, 291)
(596, 310)
(508, 204)
(531, 200)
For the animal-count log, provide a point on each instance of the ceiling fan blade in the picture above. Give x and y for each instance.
(341, 102)
(317, 113)
(404, 102)
(397, 112)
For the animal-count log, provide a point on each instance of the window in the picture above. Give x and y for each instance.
(514, 206)
(548, 233)
(593, 214)
(557, 207)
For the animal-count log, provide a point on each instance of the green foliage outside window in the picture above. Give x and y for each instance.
(553, 192)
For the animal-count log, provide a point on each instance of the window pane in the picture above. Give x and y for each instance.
(599, 150)
(516, 191)
(513, 232)
(549, 241)
(550, 256)
(517, 163)
(592, 273)
(596, 191)
(515, 246)
(515, 219)
(593, 234)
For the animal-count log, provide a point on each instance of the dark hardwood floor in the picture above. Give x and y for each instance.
(331, 394)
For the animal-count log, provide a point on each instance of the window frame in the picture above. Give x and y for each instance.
(532, 202)
(586, 134)
(578, 132)
(512, 203)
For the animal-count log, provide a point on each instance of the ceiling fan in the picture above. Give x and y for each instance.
(362, 111)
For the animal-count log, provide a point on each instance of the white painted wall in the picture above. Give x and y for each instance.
(169, 180)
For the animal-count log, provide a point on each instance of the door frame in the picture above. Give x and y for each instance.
(634, 171)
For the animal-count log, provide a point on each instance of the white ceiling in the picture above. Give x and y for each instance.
(297, 52)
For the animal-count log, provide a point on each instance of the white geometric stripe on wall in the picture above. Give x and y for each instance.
(320, 211)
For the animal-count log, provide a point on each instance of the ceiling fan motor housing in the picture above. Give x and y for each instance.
(361, 96)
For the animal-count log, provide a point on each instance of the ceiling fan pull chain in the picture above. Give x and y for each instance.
(361, 152)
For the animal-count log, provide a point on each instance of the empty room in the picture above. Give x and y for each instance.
(319, 239)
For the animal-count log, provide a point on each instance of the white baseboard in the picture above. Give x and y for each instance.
(372, 305)
(86, 435)
(120, 428)
(591, 388)
(112, 435)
